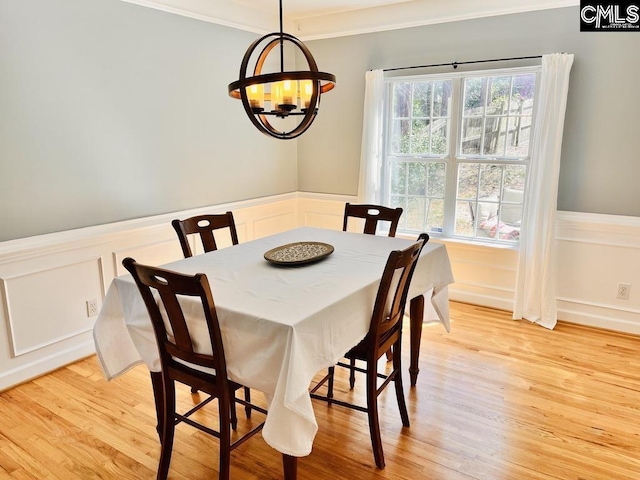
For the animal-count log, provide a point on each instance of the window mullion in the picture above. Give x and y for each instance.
(386, 128)
(452, 160)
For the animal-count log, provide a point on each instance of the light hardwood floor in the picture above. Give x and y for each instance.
(496, 399)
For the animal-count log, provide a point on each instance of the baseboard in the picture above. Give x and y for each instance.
(457, 294)
(608, 317)
(43, 365)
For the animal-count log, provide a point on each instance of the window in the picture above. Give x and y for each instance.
(457, 152)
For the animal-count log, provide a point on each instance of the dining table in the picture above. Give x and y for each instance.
(281, 322)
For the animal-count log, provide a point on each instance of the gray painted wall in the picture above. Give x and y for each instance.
(600, 161)
(111, 111)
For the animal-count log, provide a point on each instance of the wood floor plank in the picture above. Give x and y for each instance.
(496, 399)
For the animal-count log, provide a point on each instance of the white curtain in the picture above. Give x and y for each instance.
(535, 296)
(371, 149)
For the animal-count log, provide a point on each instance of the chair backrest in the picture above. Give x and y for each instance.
(388, 309)
(164, 287)
(372, 214)
(204, 225)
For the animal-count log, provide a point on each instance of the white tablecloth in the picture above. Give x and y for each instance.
(280, 325)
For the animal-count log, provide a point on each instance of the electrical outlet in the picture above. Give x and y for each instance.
(624, 290)
(92, 307)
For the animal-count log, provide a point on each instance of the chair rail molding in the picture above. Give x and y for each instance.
(595, 253)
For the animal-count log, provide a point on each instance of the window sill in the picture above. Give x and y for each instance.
(464, 242)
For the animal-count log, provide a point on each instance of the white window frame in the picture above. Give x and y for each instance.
(454, 157)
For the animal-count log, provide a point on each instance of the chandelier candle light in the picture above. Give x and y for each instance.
(288, 93)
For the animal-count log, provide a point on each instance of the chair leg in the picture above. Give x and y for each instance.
(352, 373)
(332, 371)
(168, 430)
(397, 380)
(232, 410)
(402, 404)
(225, 439)
(247, 398)
(372, 411)
(158, 397)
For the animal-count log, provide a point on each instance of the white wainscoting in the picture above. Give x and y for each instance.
(485, 275)
(595, 253)
(45, 281)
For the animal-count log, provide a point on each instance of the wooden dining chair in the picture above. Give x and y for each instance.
(372, 214)
(385, 332)
(180, 363)
(204, 226)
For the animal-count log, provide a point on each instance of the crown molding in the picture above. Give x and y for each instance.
(414, 14)
(404, 14)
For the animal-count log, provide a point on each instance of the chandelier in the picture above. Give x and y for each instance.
(283, 94)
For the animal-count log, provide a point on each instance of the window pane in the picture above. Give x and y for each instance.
(421, 135)
(464, 221)
(511, 207)
(422, 99)
(401, 99)
(499, 89)
(515, 176)
(471, 136)
(437, 179)
(440, 137)
(417, 179)
(524, 87)
(490, 181)
(398, 201)
(441, 98)
(416, 214)
(400, 136)
(398, 171)
(518, 141)
(468, 180)
(494, 136)
(435, 215)
(486, 210)
(474, 96)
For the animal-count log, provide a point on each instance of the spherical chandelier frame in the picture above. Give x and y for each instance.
(322, 82)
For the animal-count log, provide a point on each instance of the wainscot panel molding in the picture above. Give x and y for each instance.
(33, 296)
(595, 253)
(322, 210)
(485, 275)
(46, 280)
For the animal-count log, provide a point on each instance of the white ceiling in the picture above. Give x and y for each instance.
(310, 19)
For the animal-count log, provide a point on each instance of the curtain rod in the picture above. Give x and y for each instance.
(455, 64)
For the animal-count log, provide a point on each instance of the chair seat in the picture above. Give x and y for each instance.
(361, 351)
